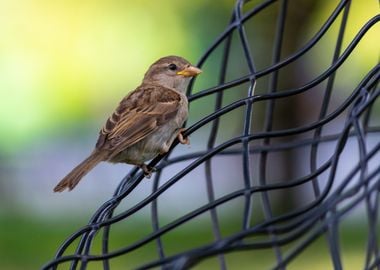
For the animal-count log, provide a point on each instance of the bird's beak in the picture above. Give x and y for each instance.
(190, 71)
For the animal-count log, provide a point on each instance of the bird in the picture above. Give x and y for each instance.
(145, 123)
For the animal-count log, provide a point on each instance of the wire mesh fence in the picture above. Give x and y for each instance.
(258, 155)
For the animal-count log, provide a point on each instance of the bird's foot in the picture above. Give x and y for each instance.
(148, 170)
(181, 138)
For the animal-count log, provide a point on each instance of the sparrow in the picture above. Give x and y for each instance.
(145, 123)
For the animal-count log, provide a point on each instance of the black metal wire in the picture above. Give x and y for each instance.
(300, 226)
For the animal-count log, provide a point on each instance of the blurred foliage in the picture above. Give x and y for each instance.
(62, 62)
(36, 242)
(65, 64)
(362, 58)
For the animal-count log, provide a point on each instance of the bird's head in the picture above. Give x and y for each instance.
(171, 71)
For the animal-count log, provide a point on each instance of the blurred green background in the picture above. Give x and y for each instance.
(64, 65)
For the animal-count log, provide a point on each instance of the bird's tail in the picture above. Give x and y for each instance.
(73, 178)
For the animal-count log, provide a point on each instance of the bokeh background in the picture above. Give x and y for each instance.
(64, 66)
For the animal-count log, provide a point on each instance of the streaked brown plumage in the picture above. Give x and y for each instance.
(145, 123)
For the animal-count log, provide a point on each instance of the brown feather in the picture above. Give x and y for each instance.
(73, 178)
(139, 114)
(145, 123)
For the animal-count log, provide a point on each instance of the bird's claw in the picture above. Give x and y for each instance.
(148, 170)
(181, 138)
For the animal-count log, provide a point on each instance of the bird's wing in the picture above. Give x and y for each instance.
(139, 114)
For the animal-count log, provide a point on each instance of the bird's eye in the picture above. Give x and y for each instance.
(172, 67)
